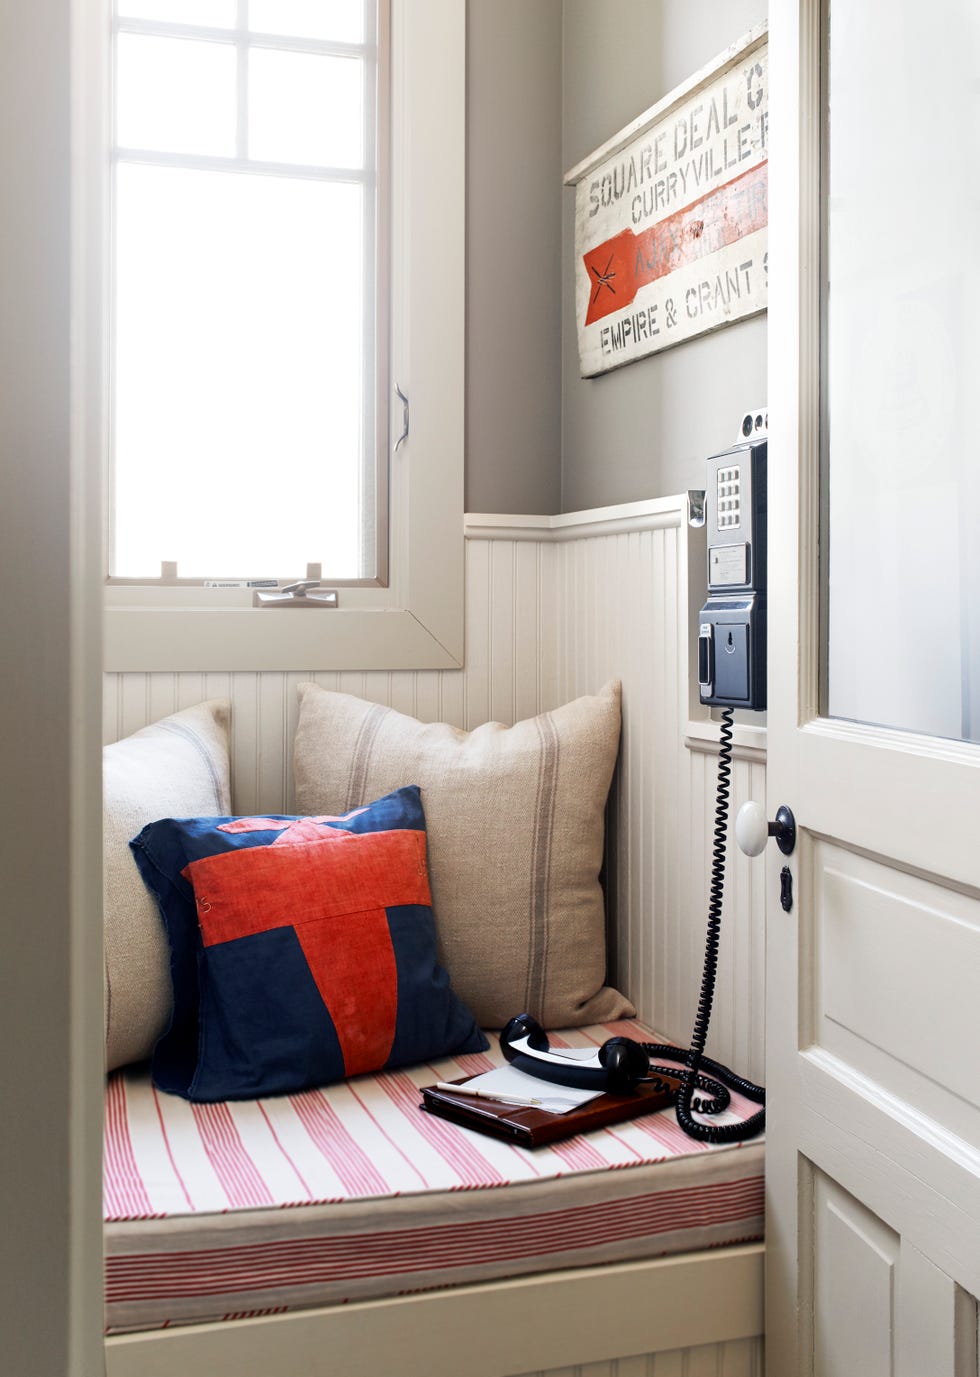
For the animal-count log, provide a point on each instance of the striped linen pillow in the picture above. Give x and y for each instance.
(176, 767)
(516, 829)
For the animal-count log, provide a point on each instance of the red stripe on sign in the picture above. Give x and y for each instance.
(618, 268)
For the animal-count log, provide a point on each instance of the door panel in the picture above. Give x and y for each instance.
(873, 1150)
(923, 1181)
(854, 1284)
(879, 1307)
(909, 798)
(937, 1321)
(880, 933)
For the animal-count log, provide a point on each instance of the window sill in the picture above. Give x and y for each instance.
(177, 639)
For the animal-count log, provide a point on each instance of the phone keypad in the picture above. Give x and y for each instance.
(728, 498)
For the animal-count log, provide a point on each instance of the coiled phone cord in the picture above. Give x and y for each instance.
(696, 1060)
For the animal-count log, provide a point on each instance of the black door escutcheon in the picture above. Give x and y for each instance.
(786, 888)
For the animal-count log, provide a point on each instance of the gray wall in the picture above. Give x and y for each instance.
(645, 430)
(548, 81)
(513, 247)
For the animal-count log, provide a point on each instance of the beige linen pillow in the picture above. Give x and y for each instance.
(174, 768)
(515, 819)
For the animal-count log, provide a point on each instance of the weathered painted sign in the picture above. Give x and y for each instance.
(671, 215)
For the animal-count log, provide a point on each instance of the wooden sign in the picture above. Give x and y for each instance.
(671, 215)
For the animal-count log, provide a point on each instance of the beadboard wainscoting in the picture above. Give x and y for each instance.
(736, 1358)
(555, 606)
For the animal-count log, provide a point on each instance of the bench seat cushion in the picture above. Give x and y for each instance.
(351, 1192)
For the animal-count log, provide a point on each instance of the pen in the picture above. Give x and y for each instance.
(554, 1105)
(484, 1094)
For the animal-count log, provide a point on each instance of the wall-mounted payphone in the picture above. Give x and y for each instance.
(731, 674)
(732, 623)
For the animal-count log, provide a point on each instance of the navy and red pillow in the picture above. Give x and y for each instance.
(302, 950)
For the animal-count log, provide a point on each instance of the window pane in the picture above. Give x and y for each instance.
(305, 109)
(214, 14)
(903, 344)
(238, 374)
(341, 20)
(175, 95)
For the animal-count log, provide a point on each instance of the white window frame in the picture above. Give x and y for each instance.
(416, 621)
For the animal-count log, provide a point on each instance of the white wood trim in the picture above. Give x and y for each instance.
(650, 514)
(84, 1049)
(930, 1193)
(50, 816)
(731, 56)
(748, 743)
(793, 393)
(174, 640)
(429, 340)
(498, 1328)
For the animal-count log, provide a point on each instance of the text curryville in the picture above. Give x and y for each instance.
(669, 169)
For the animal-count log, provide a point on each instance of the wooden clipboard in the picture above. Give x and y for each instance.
(532, 1127)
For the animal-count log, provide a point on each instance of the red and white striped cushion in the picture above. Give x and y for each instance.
(218, 1210)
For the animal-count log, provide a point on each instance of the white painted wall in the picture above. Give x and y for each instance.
(50, 818)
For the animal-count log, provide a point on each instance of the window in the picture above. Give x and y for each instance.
(261, 322)
(246, 331)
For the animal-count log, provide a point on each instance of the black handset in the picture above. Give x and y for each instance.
(617, 1065)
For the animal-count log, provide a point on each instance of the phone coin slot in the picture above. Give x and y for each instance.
(732, 668)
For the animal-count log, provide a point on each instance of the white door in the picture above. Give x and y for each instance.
(873, 977)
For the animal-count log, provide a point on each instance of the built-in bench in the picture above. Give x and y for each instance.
(546, 620)
(300, 1210)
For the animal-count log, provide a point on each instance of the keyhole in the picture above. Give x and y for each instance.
(730, 644)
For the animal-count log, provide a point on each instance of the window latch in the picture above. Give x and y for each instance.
(303, 593)
(404, 401)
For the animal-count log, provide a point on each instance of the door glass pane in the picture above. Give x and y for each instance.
(902, 363)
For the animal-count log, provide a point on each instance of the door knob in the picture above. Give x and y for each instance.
(752, 831)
